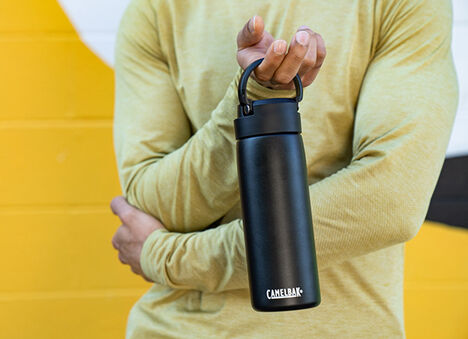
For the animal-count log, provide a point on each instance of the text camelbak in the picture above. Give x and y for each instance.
(282, 293)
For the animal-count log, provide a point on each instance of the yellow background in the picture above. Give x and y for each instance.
(59, 275)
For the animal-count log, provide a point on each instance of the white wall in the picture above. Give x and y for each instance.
(459, 141)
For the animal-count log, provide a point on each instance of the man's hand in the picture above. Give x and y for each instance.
(304, 57)
(130, 236)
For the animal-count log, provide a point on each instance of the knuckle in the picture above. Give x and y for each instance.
(319, 63)
(118, 238)
(321, 54)
(298, 56)
(128, 215)
(121, 258)
(306, 82)
(308, 63)
(262, 76)
(114, 243)
(118, 199)
(283, 79)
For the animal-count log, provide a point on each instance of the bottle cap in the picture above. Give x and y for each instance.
(266, 116)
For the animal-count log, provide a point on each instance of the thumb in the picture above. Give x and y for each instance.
(122, 209)
(251, 33)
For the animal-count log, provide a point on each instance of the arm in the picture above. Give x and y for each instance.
(184, 180)
(159, 161)
(402, 126)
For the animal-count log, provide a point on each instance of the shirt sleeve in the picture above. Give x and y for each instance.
(403, 121)
(186, 181)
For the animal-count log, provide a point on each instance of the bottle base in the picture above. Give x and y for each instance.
(282, 308)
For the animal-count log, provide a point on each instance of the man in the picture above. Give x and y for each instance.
(376, 123)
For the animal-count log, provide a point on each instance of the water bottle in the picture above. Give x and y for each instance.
(275, 201)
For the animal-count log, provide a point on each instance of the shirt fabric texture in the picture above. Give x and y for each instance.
(375, 123)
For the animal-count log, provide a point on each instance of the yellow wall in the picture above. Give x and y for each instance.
(436, 283)
(60, 277)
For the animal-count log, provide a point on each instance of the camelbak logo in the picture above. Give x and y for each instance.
(282, 293)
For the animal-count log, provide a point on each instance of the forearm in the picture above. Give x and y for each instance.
(212, 260)
(196, 184)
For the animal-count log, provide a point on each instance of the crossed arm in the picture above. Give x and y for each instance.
(188, 181)
(402, 125)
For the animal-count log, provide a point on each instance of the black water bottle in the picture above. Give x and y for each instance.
(275, 202)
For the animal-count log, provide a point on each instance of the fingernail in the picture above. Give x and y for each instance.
(302, 37)
(252, 24)
(279, 47)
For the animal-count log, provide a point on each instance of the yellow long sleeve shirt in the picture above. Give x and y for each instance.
(376, 123)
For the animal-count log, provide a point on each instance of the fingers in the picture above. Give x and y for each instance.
(310, 76)
(137, 270)
(314, 58)
(293, 60)
(280, 65)
(117, 204)
(251, 33)
(120, 235)
(123, 209)
(310, 59)
(305, 57)
(122, 259)
(321, 51)
(273, 58)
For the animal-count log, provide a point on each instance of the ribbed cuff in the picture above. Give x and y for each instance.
(150, 258)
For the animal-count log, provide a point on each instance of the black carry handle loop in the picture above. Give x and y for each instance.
(241, 90)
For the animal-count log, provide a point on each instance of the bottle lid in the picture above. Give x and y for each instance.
(266, 116)
(269, 116)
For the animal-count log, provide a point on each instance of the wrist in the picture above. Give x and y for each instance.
(149, 257)
(256, 91)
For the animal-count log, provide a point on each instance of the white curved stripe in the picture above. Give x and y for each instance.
(96, 22)
(459, 141)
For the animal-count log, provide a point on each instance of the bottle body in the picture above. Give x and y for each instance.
(275, 201)
(277, 222)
